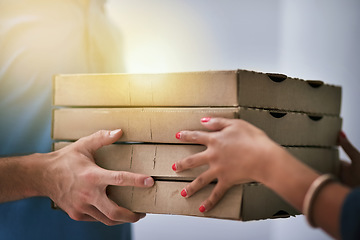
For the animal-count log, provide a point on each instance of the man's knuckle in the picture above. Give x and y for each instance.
(85, 197)
(92, 177)
(102, 133)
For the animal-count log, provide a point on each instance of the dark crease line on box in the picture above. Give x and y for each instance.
(154, 159)
(155, 195)
(151, 133)
(131, 156)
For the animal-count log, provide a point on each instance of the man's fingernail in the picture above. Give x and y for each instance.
(205, 119)
(173, 167)
(183, 193)
(342, 134)
(114, 132)
(148, 182)
(202, 208)
(178, 135)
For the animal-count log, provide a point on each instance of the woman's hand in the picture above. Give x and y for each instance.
(349, 172)
(237, 152)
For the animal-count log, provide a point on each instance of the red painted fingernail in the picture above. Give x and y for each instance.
(205, 119)
(342, 134)
(183, 193)
(173, 167)
(202, 208)
(178, 135)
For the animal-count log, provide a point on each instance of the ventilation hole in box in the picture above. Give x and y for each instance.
(281, 213)
(276, 77)
(277, 114)
(315, 117)
(315, 83)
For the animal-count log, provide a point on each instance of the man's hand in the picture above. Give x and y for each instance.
(78, 186)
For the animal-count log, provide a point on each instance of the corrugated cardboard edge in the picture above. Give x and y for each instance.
(233, 102)
(336, 88)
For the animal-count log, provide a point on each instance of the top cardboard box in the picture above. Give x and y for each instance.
(200, 89)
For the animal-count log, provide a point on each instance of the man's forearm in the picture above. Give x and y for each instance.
(19, 177)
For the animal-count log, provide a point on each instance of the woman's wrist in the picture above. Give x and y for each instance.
(286, 175)
(273, 156)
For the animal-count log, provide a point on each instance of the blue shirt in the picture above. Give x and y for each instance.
(40, 38)
(350, 216)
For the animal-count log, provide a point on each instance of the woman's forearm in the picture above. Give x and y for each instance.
(287, 176)
(292, 179)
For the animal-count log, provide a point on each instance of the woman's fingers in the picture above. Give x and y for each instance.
(201, 181)
(192, 161)
(198, 137)
(350, 150)
(215, 124)
(217, 193)
(201, 137)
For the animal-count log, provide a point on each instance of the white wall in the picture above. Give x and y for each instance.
(310, 39)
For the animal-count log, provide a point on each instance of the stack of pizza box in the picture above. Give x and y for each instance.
(302, 116)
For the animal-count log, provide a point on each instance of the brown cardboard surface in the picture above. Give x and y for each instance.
(199, 89)
(323, 160)
(156, 160)
(138, 124)
(161, 124)
(295, 129)
(165, 89)
(260, 202)
(151, 159)
(285, 93)
(164, 198)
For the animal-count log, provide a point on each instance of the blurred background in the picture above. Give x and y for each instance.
(308, 39)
